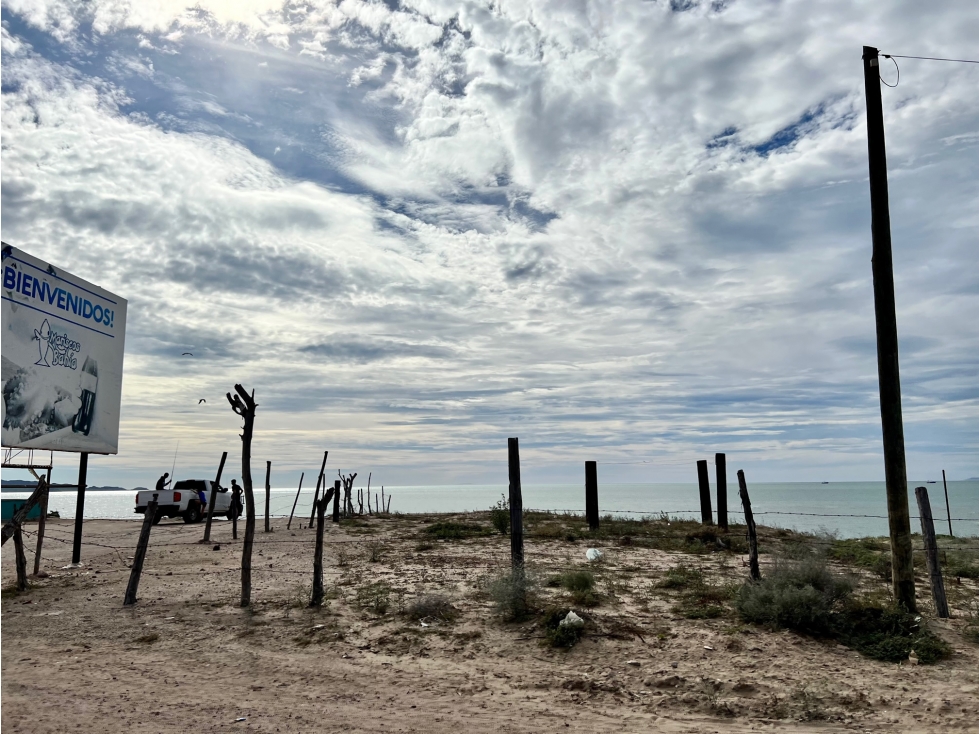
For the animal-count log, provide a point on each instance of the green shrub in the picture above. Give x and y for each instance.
(800, 595)
(581, 586)
(513, 594)
(374, 597)
(889, 634)
(806, 596)
(500, 515)
(680, 577)
(432, 606)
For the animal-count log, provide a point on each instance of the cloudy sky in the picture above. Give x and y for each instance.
(624, 231)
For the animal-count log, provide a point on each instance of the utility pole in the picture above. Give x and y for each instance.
(888, 371)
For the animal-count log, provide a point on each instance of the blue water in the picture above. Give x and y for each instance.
(767, 500)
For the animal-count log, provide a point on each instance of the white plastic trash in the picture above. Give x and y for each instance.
(593, 554)
(572, 620)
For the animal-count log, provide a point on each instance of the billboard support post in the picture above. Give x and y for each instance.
(76, 549)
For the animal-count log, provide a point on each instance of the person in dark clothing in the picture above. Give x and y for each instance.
(161, 483)
(236, 492)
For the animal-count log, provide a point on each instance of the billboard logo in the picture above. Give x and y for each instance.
(54, 349)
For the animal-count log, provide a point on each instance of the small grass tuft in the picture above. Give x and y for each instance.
(374, 597)
(432, 606)
(514, 594)
(445, 530)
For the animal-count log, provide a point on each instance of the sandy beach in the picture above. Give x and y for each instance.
(187, 658)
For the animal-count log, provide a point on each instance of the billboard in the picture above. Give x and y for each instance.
(62, 349)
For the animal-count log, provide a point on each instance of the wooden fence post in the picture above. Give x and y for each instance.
(317, 596)
(213, 500)
(336, 501)
(41, 523)
(320, 482)
(706, 516)
(749, 520)
(948, 511)
(516, 505)
(720, 464)
(144, 540)
(295, 501)
(20, 558)
(931, 552)
(591, 494)
(268, 494)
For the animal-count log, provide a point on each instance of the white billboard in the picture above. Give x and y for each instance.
(62, 351)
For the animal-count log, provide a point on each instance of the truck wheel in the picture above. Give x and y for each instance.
(193, 514)
(157, 517)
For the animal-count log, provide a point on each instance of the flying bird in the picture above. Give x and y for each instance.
(186, 354)
(202, 400)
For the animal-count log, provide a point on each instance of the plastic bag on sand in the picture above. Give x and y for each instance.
(572, 620)
(593, 554)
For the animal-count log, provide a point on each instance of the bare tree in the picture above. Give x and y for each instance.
(244, 405)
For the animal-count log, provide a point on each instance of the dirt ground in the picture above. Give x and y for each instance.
(187, 658)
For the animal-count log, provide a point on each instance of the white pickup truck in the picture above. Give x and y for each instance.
(184, 500)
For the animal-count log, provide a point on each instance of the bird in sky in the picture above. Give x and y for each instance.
(186, 354)
(202, 400)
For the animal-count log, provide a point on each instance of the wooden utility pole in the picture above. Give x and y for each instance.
(749, 521)
(931, 552)
(591, 494)
(888, 371)
(76, 547)
(720, 465)
(702, 477)
(244, 405)
(140, 555)
(213, 499)
(516, 505)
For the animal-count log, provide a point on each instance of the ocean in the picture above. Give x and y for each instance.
(848, 509)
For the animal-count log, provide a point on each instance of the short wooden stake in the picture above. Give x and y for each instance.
(21, 559)
(268, 495)
(293, 511)
(931, 552)
(706, 516)
(749, 520)
(336, 501)
(144, 540)
(720, 464)
(591, 494)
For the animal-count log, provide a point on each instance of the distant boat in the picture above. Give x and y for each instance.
(824, 482)
(931, 481)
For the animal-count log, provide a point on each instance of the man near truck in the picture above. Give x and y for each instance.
(161, 483)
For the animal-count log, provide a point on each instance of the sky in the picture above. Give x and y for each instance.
(636, 232)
